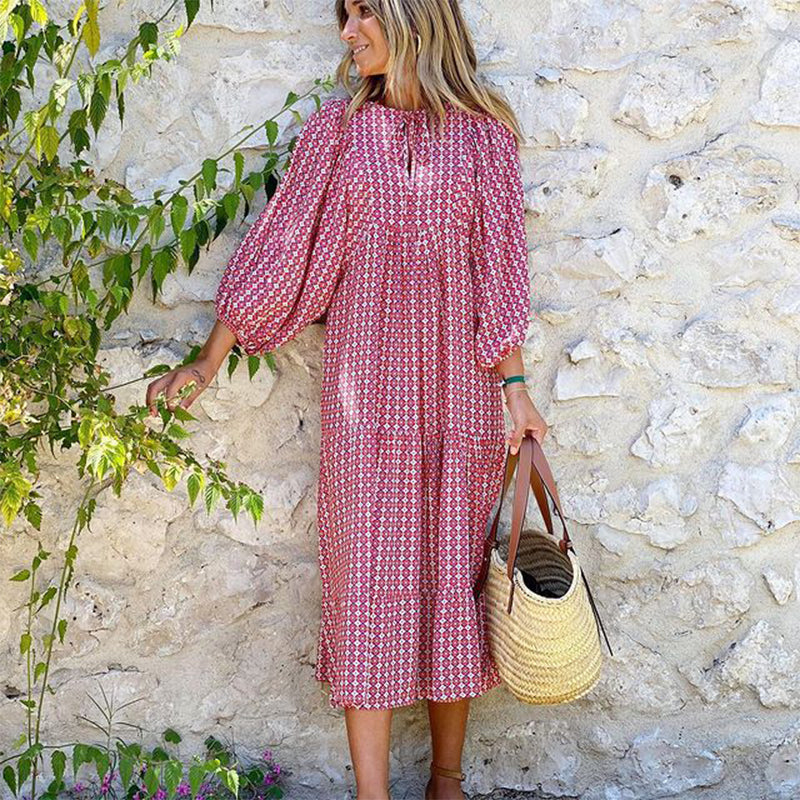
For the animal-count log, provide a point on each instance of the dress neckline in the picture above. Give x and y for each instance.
(393, 110)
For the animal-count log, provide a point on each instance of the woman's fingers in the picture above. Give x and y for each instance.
(515, 438)
(153, 390)
(537, 427)
(169, 384)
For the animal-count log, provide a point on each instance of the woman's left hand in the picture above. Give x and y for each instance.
(525, 418)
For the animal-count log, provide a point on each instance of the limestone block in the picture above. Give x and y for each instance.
(551, 112)
(768, 425)
(590, 35)
(282, 491)
(761, 662)
(247, 16)
(788, 226)
(762, 492)
(251, 85)
(712, 593)
(229, 397)
(664, 768)
(677, 427)
(551, 766)
(707, 22)
(779, 102)
(564, 181)
(722, 355)
(92, 605)
(657, 511)
(664, 94)
(734, 529)
(129, 533)
(704, 193)
(780, 586)
(785, 306)
(783, 768)
(177, 610)
(592, 376)
(163, 162)
(760, 256)
(584, 266)
(201, 286)
(643, 677)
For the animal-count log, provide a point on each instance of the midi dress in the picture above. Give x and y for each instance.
(410, 245)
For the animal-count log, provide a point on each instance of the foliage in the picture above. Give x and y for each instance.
(73, 249)
(126, 769)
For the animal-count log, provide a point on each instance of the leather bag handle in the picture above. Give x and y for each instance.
(529, 461)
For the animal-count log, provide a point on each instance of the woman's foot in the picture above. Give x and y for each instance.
(442, 786)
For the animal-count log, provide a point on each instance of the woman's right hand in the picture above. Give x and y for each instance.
(201, 371)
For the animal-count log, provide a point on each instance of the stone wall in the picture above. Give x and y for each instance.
(662, 171)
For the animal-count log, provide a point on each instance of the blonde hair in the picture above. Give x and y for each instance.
(445, 65)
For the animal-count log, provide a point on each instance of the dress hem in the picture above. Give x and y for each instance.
(336, 700)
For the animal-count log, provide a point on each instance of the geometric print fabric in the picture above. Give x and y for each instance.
(410, 243)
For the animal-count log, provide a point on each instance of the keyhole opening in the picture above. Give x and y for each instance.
(409, 152)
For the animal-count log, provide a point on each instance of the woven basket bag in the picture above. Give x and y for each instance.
(546, 645)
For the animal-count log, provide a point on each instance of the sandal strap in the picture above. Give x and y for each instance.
(448, 773)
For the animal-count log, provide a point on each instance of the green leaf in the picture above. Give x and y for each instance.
(38, 13)
(58, 761)
(271, 128)
(148, 35)
(188, 240)
(172, 736)
(238, 169)
(48, 136)
(173, 770)
(151, 780)
(230, 202)
(22, 575)
(180, 208)
(91, 30)
(126, 763)
(97, 110)
(209, 172)
(30, 242)
(9, 776)
(25, 642)
(253, 365)
(196, 774)
(33, 513)
(194, 484)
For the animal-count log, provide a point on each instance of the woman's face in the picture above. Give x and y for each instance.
(362, 33)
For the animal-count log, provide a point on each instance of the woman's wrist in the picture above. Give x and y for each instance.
(513, 383)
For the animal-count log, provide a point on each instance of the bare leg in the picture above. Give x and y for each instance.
(368, 737)
(448, 723)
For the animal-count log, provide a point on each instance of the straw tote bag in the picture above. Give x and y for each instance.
(544, 641)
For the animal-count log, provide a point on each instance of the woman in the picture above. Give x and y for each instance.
(405, 230)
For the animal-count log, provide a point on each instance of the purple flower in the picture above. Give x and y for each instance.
(183, 790)
(267, 755)
(104, 787)
(160, 794)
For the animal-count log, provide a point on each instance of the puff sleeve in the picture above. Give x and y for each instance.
(498, 245)
(283, 274)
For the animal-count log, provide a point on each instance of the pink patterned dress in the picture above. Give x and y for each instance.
(412, 246)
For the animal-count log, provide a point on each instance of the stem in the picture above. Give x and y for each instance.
(75, 530)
